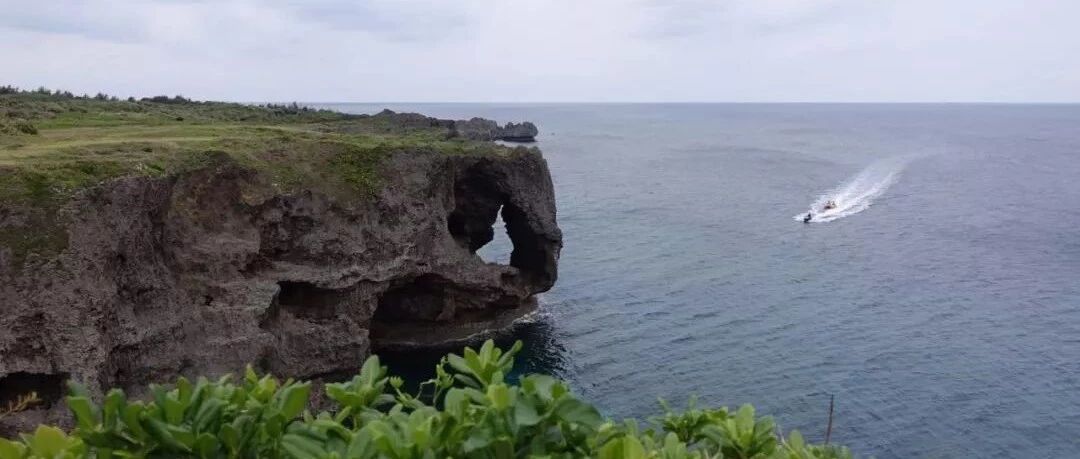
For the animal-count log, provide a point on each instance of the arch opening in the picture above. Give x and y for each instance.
(498, 249)
(482, 212)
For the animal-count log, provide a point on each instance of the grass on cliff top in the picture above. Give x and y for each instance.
(54, 144)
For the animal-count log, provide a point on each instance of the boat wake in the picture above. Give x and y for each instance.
(857, 193)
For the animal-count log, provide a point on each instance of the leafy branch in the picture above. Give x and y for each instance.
(468, 410)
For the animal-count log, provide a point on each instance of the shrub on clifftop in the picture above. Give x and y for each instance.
(467, 410)
(17, 127)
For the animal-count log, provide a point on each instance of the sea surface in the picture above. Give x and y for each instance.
(939, 303)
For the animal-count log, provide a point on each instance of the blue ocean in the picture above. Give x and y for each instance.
(938, 303)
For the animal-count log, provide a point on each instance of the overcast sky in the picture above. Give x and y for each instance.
(548, 50)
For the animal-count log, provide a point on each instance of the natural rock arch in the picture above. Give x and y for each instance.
(484, 190)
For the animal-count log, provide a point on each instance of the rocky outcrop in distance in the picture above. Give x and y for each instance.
(484, 129)
(207, 271)
(471, 129)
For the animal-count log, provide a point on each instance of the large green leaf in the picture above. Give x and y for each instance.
(174, 409)
(294, 399)
(83, 409)
(11, 450)
(132, 415)
(208, 413)
(113, 409)
(302, 447)
(540, 385)
(362, 446)
(500, 396)
(744, 418)
(625, 447)
(458, 363)
(163, 434)
(47, 442)
(479, 438)
(371, 371)
(206, 445)
(525, 415)
(570, 409)
(230, 436)
(472, 359)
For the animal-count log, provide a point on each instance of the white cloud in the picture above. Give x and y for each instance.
(549, 50)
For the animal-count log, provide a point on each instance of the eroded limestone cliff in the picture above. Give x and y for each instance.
(203, 272)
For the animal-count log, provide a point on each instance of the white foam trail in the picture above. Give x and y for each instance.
(857, 193)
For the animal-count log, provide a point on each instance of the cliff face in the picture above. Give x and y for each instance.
(480, 129)
(483, 129)
(204, 272)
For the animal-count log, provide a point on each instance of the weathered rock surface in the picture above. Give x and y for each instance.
(484, 129)
(205, 272)
(471, 129)
(523, 132)
(412, 120)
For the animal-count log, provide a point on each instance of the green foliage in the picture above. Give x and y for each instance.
(55, 109)
(24, 127)
(467, 410)
(46, 442)
(10, 126)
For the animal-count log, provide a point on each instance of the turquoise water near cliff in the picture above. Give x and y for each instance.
(940, 305)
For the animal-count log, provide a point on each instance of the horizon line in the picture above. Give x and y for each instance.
(947, 102)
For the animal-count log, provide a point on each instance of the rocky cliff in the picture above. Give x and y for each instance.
(480, 129)
(484, 129)
(205, 271)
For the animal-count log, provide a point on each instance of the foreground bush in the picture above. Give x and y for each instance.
(467, 411)
(17, 127)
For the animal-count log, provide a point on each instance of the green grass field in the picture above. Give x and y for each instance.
(81, 142)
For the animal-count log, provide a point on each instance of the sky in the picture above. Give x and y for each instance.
(549, 50)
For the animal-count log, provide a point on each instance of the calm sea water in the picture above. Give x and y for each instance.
(940, 304)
